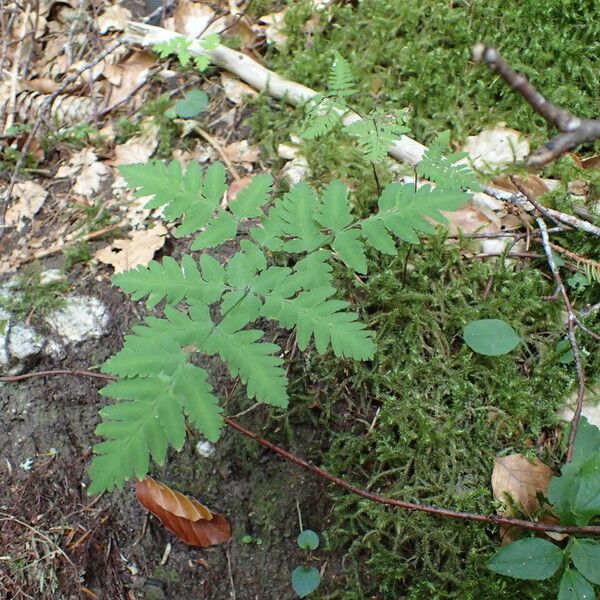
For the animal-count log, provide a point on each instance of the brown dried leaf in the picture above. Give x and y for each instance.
(134, 70)
(114, 18)
(190, 521)
(274, 25)
(193, 19)
(593, 162)
(30, 197)
(514, 476)
(137, 250)
(532, 183)
(239, 152)
(235, 90)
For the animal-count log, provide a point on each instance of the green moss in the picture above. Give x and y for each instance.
(444, 413)
(419, 55)
(30, 296)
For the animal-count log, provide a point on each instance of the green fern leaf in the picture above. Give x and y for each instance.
(144, 357)
(349, 247)
(165, 182)
(321, 116)
(174, 282)
(196, 397)
(341, 82)
(134, 431)
(312, 313)
(403, 212)
(178, 46)
(376, 133)
(334, 210)
(220, 229)
(249, 200)
(270, 231)
(297, 211)
(252, 360)
(447, 171)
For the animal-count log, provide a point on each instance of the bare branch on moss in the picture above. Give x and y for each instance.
(574, 130)
(337, 481)
(571, 316)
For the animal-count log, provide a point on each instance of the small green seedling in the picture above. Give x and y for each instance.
(193, 103)
(248, 539)
(306, 580)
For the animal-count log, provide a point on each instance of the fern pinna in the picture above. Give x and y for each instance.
(210, 307)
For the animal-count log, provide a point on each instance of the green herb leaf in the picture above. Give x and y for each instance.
(193, 103)
(573, 586)
(585, 554)
(308, 540)
(531, 558)
(491, 337)
(305, 580)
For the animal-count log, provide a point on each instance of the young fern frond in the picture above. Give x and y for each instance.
(341, 82)
(210, 307)
(376, 132)
(447, 171)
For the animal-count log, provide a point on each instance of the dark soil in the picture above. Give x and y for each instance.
(116, 549)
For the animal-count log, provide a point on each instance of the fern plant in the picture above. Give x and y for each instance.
(210, 307)
(179, 47)
(374, 132)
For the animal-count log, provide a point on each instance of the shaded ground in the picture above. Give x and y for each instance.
(112, 543)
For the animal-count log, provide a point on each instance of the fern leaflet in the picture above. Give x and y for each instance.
(447, 171)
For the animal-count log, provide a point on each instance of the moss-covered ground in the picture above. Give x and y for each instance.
(424, 420)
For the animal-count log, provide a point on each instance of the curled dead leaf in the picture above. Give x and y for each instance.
(536, 186)
(190, 521)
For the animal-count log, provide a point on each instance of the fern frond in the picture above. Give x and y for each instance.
(447, 171)
(297, 211)
(341, 82)
(314, 314)
(151, 419)
(322, 114)
(173, 281)
(404, 212)
(178, 46)
(376, 133)
(249, 200)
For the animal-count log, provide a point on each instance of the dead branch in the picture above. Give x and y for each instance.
(337, 481)
(574, 131)
(571, 316)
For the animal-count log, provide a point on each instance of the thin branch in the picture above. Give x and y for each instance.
(574, 131)
(425, 508)
(556, 215)
(571, 316)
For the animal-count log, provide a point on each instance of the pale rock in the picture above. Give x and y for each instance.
(82, 318)
(205, 449)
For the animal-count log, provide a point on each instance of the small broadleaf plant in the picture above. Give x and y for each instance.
(575, 499)
(374, 132)
(305, 579)
(210, 307)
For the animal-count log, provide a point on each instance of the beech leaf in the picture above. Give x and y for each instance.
(190, 521)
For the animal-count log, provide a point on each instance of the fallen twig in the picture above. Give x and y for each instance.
(571, 316)
(574, 131)
(432, 510)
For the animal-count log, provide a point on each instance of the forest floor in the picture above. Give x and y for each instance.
(424, 421)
